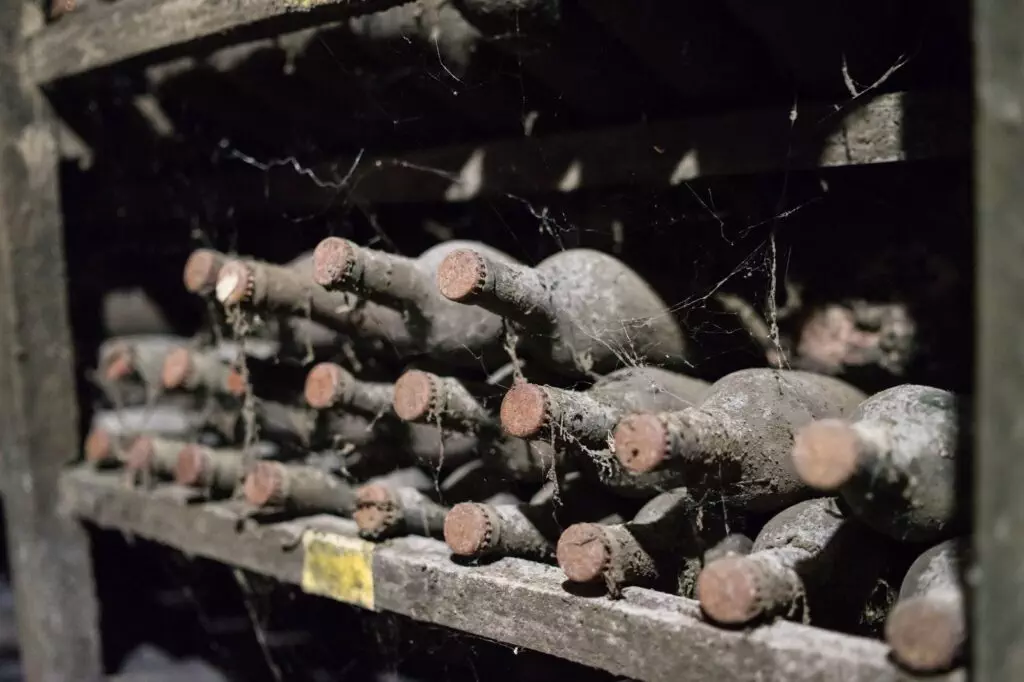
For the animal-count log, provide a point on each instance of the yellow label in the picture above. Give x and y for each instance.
(338, 567)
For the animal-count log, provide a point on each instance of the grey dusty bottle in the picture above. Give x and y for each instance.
(927, 628)
(152, 459)
(585, 419)
(299, 489)
(202, 270)
(386, 509)
(362, 413)
(739, 439)
(218, 471)
(808, 563)
(662, 546)
(435, 325)
(579, 312)
(445, 402)
(893, 462)
(477, 530)
(191, 369)
(291, 291)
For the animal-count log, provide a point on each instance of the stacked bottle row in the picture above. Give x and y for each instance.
(431, 406)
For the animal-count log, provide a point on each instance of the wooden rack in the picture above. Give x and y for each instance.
(646, 635)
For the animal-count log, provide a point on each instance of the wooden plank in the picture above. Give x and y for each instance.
(49, 554)
(107, 34)
(998, 604)
(646, 635)
(887, 128)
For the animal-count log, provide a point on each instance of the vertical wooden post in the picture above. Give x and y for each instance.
(49, 553)
(998, 577)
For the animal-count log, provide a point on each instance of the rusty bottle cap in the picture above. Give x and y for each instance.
(193, 465)
(334, 261)
(584, 552)
(118, 363)
(471, 529)
(140, 454)
(641, 442)
(326, 385)
(926, 633)
(735, 590)
(525, 410)
(826, 453)
(416, 395)
(235, 283)
(266, 485)
(178, 370)
(202, 270)
(378, 510)
(99, 446)
(462, 275)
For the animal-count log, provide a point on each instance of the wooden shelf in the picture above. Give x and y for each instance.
(645, 635)
(107, 34)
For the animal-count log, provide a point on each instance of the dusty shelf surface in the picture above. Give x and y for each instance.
(105, 35)
(645, 635)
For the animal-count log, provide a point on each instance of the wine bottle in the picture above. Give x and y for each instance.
(439, 327)
(739, 440)
(201, 271)
(893, 462)
(445, 402)
(188, 369)
(218, 471)
(927, 629)
(298, 489)
(291, 291)
(476, 530)
(585, 419)
(662, 546)
(809, 561)
(735, 544)
(151, 459)
(135, 359)
(104, 449)
(330, 386)
(268, 420)
(385, 511)
(580, 312)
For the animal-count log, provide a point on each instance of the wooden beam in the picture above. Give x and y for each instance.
(107, 34)
(998, 619)
(58, 625)
(646, 635)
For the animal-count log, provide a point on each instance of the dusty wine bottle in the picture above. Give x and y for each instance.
(927, 628)
(104, 449)
(188, 369)
(809, 561)
(476, 530)
(151, 459)
(218, 471)
(662, 545)
(739, 439)
(136, 358)
(385, 511)
(330, 386)
(893, 462)
(586, 418)
(298, 489)
(201, 271)
(290, 291)
(736, 544)
(439, 327)
(445, 402)
(579, 312)
(269, 420)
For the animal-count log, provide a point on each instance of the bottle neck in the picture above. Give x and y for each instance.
(387, 278)
(517, 292)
